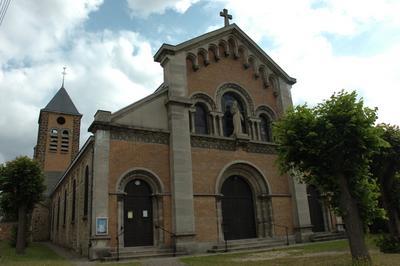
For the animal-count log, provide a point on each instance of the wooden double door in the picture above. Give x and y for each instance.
(138, 214)
(237, 209)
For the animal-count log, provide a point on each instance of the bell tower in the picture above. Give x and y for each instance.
(56, 147)
(58, 136)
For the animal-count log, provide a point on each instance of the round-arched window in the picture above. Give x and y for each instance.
(227, 101)
(265, 128)
(200, 119)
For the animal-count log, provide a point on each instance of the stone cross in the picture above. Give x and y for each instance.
(63, 73)
(227, 17)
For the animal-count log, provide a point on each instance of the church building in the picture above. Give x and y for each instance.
(189, 167)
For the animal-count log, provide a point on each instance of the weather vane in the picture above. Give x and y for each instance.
(63, 73)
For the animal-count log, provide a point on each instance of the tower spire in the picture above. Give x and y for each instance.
(63, 73)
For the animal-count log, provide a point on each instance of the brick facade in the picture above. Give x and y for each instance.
(184, 170)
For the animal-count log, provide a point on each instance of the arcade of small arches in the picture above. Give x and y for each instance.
(239, 185)
(215, 118)
(231, 47)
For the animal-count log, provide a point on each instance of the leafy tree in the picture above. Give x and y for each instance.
(21, 183)
(332, 144)
(386, 167)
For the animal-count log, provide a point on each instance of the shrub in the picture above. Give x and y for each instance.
(388, 244)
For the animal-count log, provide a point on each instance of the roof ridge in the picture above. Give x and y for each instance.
(62, 103)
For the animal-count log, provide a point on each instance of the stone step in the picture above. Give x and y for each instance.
(141, 253)
(327, 236)
(237, 245)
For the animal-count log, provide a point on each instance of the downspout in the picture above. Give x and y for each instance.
(91, 204)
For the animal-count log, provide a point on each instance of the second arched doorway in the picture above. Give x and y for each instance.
(138, 214)
(238, 215)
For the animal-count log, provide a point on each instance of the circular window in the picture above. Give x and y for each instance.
(61, 120)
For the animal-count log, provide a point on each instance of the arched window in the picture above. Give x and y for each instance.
(53, 139)
(200, 119)
(265, 128)
(227, 101)
(86, 195)
(65, 140)
(58, 213)
(65, 207)
(73, 200)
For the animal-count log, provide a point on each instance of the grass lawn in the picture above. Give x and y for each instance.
(322, 253)
(36, 254)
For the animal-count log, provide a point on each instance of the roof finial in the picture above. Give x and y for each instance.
(227, 17)
(63, 73)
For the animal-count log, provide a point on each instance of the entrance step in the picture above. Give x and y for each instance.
(141, 253)
(327, 236)
(247, 244)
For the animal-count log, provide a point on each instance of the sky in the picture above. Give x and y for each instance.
(108, 47)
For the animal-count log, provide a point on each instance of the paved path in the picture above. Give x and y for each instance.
(68, 255)
(78, 260)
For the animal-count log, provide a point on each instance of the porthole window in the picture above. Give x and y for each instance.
(61, 120)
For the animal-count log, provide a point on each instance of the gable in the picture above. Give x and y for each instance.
(230, 40)
(228, 55)
(150, 112)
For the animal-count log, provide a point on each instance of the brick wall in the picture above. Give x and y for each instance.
(5, 230)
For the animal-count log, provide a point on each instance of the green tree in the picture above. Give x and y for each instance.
(386, 168)
(21, 183)
(332, 144)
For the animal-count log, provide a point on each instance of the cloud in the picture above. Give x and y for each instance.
(143, 8)
(106, 70)
(300, 36)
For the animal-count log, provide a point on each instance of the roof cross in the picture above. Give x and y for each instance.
(227, 17)
(63, 73)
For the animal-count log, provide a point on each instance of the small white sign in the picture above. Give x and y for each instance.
(101, 226)
(145, 214)
(130, 214)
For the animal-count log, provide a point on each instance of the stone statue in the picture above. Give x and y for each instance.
(237, 119)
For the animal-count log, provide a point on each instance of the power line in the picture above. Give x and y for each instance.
(3, 9)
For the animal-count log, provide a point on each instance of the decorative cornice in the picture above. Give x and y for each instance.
(139, 135)
(232, 144)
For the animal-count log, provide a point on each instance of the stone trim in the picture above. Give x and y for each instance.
(231, 144)
(122, 132)
(141, 136)
(242, 92)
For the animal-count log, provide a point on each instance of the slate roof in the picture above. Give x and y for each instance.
(61, 103)
(51, 179)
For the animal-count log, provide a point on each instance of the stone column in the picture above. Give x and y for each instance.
(253, 129)
(214, 123)
(100, 198)
(258, 129)
(301, 211)
(220, 121)
(192, 112)
(178, 105)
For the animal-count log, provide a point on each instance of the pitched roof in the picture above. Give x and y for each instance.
(168, 49)
(61, 103)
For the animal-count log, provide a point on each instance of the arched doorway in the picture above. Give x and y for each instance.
(237, 209)
(316, 209)
(138, 214)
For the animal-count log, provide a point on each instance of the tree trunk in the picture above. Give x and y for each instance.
(354, 224)
(386, 183)
(21, 240)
